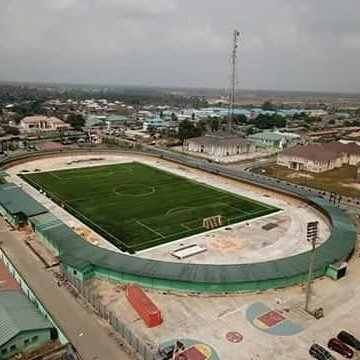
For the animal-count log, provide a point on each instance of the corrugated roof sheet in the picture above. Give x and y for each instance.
(266, 135)
(17, 201)
(18, 314)
(7, 282)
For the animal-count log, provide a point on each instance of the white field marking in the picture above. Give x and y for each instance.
(205, 233)
(180, 209)
(186, 227)
(228, 313)
(148, 228)
(237, 209)
(55, 176)
(119, 193)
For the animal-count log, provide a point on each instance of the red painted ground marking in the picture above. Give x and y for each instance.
(234, 337)
(271, 318)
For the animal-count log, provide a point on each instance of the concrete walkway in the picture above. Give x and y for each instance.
(80, 327)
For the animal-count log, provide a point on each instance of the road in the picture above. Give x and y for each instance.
(80, 327)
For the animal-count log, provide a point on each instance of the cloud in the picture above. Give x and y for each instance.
(285, 44)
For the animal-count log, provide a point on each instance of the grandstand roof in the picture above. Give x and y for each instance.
(78, 253)
(17, 201)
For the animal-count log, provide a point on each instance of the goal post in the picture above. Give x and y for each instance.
(212, 222)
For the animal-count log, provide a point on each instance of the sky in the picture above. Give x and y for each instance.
(284, 44)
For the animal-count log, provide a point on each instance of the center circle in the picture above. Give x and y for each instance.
(133, 190)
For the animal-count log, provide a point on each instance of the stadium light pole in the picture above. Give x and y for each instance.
(311, 235)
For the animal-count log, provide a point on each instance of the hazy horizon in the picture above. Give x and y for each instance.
(298, 47)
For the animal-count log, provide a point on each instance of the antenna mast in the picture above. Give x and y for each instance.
(233, 79)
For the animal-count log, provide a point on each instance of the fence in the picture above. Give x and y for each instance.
(137, 344)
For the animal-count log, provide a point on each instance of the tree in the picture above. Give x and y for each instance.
(240, 119)
(268, 105)
(76, 121)
(269, 121)
(188, 130)
(152, 130)
(173, 117)
(214, 124)
(12, 130)
(249, 131)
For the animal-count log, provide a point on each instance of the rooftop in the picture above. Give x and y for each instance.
(267, 135)
(220, 139)
(17, 201)
(7, 282)
(323, 152)
(39, 118)
(18, 314)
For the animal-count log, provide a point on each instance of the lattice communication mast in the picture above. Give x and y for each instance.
(233, 79)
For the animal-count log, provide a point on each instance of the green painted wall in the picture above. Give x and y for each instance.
(182, 286)
(23, 342)
(12, 219)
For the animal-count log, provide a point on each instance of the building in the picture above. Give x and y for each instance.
(43, 123)
(118, 120)
(320, 157)
(220, 147)
(16, 205)
(270, 141)
(22, 327)
(155, 123)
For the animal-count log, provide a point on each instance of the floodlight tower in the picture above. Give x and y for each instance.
(233, 78)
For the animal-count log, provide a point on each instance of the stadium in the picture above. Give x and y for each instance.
(171, 223)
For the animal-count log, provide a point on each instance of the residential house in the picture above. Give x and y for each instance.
(320, 157)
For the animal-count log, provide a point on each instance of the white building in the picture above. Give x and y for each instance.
(42, 123)
(220, 147)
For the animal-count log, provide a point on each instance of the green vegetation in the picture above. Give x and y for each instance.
(76, 121)
(264, 121)
(137, 206)
(188, 129)
(339, 180)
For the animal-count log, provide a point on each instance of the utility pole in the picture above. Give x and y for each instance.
(311, 235)
(233, 79)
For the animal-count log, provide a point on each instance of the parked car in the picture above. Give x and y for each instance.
(320, 353)
(340, 347)
(349, 339)
(166, 353)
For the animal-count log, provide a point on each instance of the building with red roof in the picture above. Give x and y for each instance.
(320, 157)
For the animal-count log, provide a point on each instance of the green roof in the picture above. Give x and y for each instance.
(266, 135)
(16, 201)
(118, 118)
(18, 314)
(93, 120)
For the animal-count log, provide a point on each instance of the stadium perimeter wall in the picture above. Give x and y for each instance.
(84, 260)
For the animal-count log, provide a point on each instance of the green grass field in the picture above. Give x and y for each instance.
(136, 206)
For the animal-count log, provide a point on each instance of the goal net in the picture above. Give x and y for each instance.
(212, 222)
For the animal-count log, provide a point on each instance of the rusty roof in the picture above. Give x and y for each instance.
(7, 282)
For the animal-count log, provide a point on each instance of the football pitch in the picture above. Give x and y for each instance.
(136, 206)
